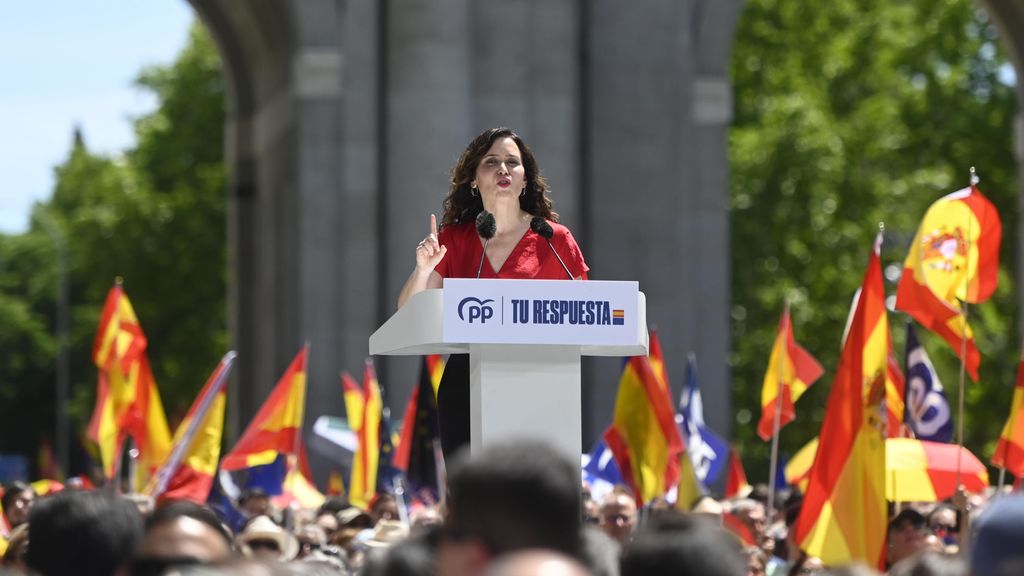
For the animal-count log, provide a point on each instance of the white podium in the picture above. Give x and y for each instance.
(525, 340)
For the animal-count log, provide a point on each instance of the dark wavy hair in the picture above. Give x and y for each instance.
(460, 205)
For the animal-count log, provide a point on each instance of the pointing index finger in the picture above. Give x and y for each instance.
(433, 225)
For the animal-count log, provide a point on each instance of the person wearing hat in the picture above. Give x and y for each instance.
(263, 539)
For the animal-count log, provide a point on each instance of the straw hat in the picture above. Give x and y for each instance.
(263, 528)
(350, 515)
(387, 533)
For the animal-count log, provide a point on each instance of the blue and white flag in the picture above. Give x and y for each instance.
(601, 471)
(927, 409)
(708, 453)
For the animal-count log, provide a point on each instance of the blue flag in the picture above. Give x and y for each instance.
(708, 452)
(927, 408)
(601, 466)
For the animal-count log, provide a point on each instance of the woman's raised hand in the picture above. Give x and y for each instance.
(429, 252)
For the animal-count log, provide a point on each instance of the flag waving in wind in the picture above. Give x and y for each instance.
(707, 451)
(277, 427)
(954, 258)
(1009, 453)
(127, 400)
(791, 370)
(928, 413)
(189, 471)
(843, 517)
(366, 460)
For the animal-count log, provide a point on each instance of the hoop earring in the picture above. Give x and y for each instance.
(474, 192)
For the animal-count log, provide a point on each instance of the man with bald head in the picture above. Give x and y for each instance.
(183, 533)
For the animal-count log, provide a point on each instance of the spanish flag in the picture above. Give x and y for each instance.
(127, 400)
(363, 485)
(189, 471)
(1009, 453)
(843, 518)
(791, 370)
(954, 258)
(277, 427)
(643, 435)
(353, 395)
(736, 485)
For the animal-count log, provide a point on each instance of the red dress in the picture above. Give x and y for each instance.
(530, 258)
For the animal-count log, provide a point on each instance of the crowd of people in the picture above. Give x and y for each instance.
(513, 509)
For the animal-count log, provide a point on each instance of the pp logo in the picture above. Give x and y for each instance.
(475, 309)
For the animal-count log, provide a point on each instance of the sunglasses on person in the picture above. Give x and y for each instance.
(942, 529)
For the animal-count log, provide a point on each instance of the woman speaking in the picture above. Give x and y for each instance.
(497, 192)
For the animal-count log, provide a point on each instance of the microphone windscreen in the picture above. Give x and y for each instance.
(541, 227)
(486, 226)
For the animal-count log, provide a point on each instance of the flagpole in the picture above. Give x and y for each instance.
(776, 419)
(963, 346)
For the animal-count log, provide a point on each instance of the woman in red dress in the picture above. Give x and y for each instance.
(497, 173)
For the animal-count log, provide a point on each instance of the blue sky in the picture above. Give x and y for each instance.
(68, 62)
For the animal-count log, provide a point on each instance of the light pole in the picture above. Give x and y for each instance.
(61, 429)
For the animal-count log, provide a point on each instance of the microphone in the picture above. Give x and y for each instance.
(485, 227)
(541, 227)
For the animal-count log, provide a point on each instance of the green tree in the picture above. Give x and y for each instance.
(849, 116)
(154, 216)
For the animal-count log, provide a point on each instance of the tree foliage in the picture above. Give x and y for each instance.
(154, 216)
(861, 113)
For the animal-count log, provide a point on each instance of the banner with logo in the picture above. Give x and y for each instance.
(565, 312)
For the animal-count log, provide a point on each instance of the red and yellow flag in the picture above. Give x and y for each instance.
(363, 485)
(791, 370)
(189, 471)
(127, 400)
(843, 518)
(353, 395)
(277, 427)
(895, 392)
(954, 258)
(643, 436)
(1009, 453)
(736, 485)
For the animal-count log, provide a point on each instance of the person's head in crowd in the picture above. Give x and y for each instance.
(943, 524)
(181, 533)
(414, 556)
(617, 515)
(353, 518)
(707, 506)
(536, 563)
(806, 565)
(682, 545)
(16, 501)
(327, 521)
(905, 535)
(930, 563)
(757, 561)
(77, 533)
(17, 549)
(254, 502)
(265, 540)
(387, 533)
(752, 514)
(311, 538)
(333, 505)
(997, 545)
(383, 507)
(512, 495)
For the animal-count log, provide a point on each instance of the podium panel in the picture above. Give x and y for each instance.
(525, 339)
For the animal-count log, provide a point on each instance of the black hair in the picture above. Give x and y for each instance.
(516, 495)
(682, 545)
(12, 490)
(75, 533)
